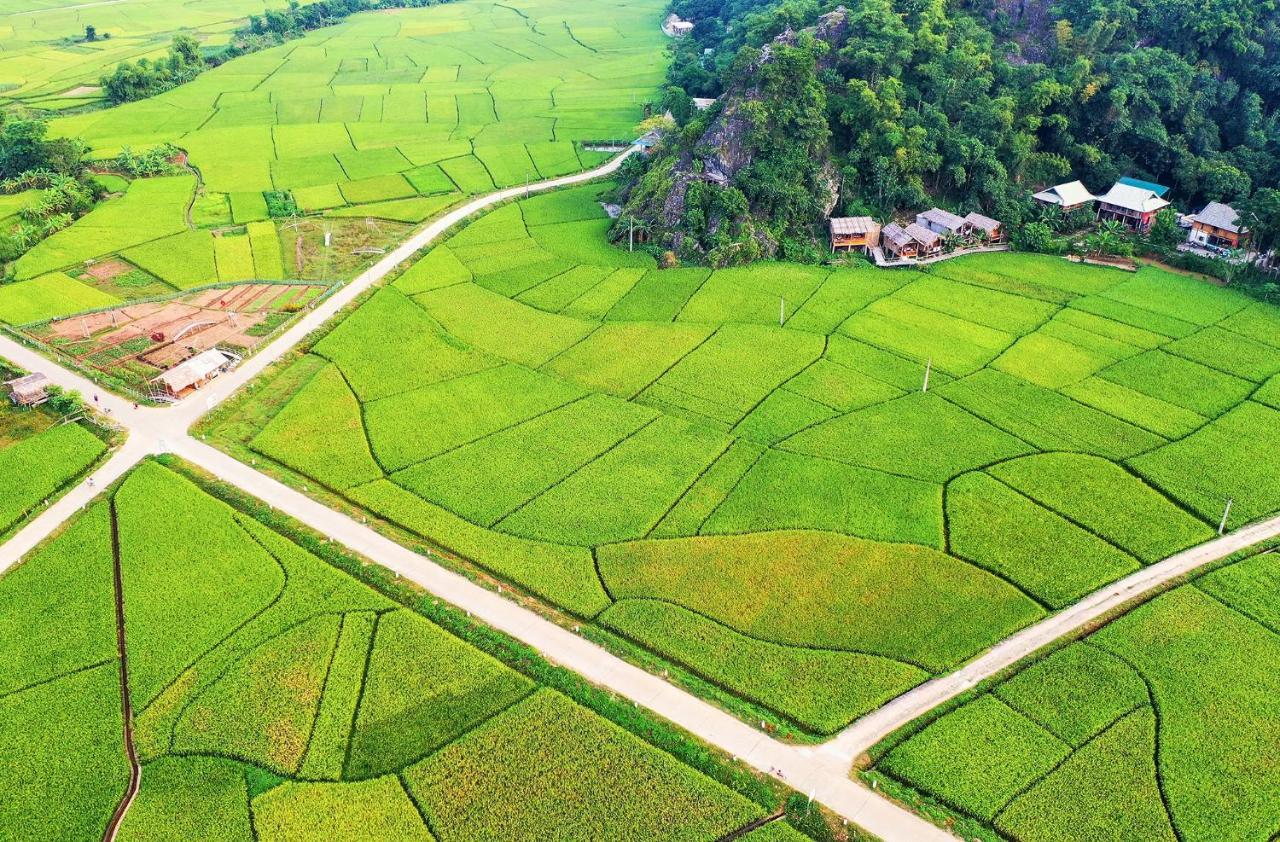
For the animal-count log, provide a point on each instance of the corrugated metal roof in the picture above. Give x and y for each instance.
(1159, 189)
(1220, 216)
(849, 225)
(191, 372)
(1132, 198)
(1070, 194)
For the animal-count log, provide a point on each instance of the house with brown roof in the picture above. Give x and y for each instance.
(1218, 225)
(29, 390)
(991, 227)
(898, 242)
(929, 242)
(854, 232)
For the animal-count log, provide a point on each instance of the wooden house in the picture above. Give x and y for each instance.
(928, 241)
(1134, 206)
(1068, 197)
(854, 232)
(31, 390)
(944, 223)
(898, 242)
(1218, 225)
(991, 227)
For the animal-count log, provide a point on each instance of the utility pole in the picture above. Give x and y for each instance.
(631, 235)
(782, 311)
(927, 369)
(1222, 527)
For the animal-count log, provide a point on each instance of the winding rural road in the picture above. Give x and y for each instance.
(820, 771)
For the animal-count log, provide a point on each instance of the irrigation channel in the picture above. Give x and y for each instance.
(821, 772)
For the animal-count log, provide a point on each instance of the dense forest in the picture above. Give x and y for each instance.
(893, 105)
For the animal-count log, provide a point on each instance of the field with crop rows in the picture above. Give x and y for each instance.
(376, 123)
(47, 64)
(652, 451)
(277, 697)
(1161, 725)
(39, 457)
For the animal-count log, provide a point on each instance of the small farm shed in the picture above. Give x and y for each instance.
(1218, 225)
(1066, 197)
(194, 373)
(1136, 207)
(944, 222)
(703, 103)
(898, 242)
(991, 227)
(31, 390)
(929, 241)
(854, 232)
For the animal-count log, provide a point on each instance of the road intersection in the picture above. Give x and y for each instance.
(822, 771)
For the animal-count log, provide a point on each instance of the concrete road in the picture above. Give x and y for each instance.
(822, 771)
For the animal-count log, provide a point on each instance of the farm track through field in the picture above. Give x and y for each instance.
(821, 771)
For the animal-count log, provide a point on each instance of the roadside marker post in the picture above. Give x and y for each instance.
(927, 369)
(1222, 527)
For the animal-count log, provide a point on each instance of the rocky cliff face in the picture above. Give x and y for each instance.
(723, 150)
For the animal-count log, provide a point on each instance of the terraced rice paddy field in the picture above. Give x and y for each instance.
(39, 457)
(781, 511)
(276, 696)
(1160, 726)
(390, 115)
(48, 66)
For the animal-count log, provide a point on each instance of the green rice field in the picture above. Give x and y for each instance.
(392, 116)
(39, 457)
(652, 451)
(1161, 725)
(276, 696)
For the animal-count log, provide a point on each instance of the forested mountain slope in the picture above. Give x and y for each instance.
(969, 102)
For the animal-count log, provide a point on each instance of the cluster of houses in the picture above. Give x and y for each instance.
(1130, 201)
(923, 239)
(1135, 203)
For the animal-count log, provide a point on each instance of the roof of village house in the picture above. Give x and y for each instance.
(1159, 189)
(703, 103)
(1069, 194)
(845, 226)
(986, 223)
(1220, 216)
(945, 218)
(1137, 199)
(191, 372)
(896, 235)
(29, 384)
(923, 235)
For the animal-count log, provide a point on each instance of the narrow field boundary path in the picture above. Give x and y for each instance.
(821, 772)
(126, 701)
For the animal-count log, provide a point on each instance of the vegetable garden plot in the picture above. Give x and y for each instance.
(1067, 748)
(657, 412)
(315, 706)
